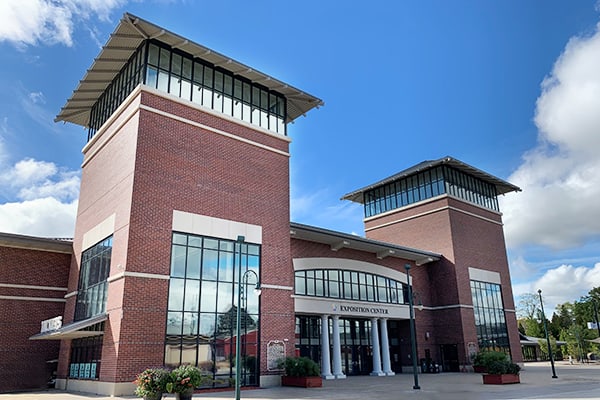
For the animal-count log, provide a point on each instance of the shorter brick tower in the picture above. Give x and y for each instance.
(451, 208)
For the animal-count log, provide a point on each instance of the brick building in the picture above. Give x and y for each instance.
(33, 282)
(185, 199)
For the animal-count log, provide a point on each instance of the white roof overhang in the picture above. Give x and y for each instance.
(123, 43)
(339, 240)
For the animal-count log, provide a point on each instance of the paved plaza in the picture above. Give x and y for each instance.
(574, 382)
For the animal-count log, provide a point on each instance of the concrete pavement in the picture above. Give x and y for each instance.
(575, 382)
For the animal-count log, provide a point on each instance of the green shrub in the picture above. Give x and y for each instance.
(151, 381)
(503, 367)
(300, 366)
(485, 358)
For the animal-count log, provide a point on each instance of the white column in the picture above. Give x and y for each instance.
(325, 361)
(385, 349)
(375, 345)
(337, 349)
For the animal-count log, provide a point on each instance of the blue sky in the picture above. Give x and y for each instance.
(511, 87)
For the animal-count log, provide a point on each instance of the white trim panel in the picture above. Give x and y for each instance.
(347, 264)
(343, 308)
(100, 232)
(146, 275)
(279, 287)
(476, 274)
(14, 286)
(24, 298)
(216, 227)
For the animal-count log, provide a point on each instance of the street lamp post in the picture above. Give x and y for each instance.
(547, 337)
(238, 325)
(412, 329)
(596, 315)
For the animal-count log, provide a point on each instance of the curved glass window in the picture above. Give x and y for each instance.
(350, 285)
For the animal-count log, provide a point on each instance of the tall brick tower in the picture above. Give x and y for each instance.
(185, 182)
(451, 208)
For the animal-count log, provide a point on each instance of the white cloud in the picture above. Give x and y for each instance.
(41, 199)
(563, 284)
(560, 177)
(30, 22)
(40, 217)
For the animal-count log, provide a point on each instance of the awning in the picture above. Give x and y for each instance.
(73, 330)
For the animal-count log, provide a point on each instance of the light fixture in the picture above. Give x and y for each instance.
(241, 278)
(412, 328)
(547, 337)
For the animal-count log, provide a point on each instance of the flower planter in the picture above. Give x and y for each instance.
(501, 379)
(480, 369)
(302, 381)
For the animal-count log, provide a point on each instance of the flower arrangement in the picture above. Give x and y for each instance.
(151, 382)
(185, 378)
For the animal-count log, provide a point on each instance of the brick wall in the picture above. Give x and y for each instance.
(23, 362)
(466, 236)
(154, 164)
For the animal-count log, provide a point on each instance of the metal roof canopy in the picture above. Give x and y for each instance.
(73, 330)
(339, 240)
(502, 186)
(125, 40)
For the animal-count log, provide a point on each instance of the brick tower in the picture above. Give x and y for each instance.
(185, 181)
(451, 208)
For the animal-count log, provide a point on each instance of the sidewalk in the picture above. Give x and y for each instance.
(575, 382)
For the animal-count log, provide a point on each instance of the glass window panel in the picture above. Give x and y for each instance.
(334, 289)
(300, 284)
(190, 323)
(218, 81)
(208, 299)
(186, 89)
(178, 261)
(237, 109)
(209, 264)
(187, 68)
(193, 263)
(247, 93)
(207, 326)
(246, 114)
(153, 55)
(163, 81)
(227, 105)
(192, 295)
(151, 77)
(224, 297)
(251, 300)
(174, 323)
(207, 96)
(228, 85)
(165, 59)
(255, 116)
(176, 64)
(176, 294)
(319, 287)
(226, 267)
(273, 123)
(195, 241)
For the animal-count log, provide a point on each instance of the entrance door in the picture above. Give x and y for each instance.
(450, 357)
(355, 335)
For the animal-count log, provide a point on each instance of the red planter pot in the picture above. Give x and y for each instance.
(302, 381)
(503, 379)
